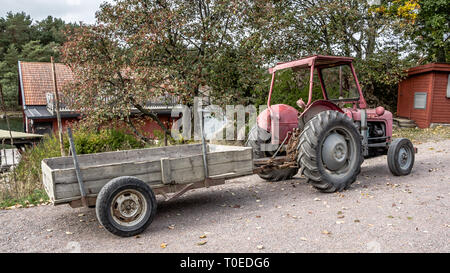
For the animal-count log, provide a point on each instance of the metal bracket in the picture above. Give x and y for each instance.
(77, 168)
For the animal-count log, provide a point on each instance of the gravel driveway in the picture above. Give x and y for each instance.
(379, 212)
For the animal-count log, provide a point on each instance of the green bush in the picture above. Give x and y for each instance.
(25, 180)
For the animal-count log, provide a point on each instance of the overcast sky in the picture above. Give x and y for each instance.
(68, 10)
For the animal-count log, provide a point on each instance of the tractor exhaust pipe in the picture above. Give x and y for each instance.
(364, 133)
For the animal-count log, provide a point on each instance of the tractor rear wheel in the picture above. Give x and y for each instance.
(255, 141)
(330, 153)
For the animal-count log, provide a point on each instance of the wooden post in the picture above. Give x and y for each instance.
(77, 168)
(56, 101)
(204, 148)
(10, 134)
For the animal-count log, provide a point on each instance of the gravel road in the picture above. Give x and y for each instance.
(379, 212)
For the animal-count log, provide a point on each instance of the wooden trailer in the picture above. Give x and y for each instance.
(122, 185)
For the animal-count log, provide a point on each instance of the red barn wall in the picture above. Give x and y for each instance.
(405, 105)
(441, 104)
(147, 126)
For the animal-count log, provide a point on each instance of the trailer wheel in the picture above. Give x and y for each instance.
(330, 153)
(255, 142)
(126, 206)
(400, 157)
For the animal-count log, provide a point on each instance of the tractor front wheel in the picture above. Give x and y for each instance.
(400, 157)
(330, 154)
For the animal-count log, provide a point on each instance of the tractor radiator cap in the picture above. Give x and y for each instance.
(379, 110)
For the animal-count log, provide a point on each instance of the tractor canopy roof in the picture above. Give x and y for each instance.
(319, 61)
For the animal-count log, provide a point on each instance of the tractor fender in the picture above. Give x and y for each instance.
(315, 108)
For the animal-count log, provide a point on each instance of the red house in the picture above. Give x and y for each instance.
(424, 96)
(36, 97)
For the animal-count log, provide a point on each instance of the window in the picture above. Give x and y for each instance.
(420, 100)
(340, 83)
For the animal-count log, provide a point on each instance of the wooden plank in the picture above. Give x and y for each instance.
(93, 187)
(197, 173)
(166, 176)
(110, 171)
(47, 180)
(128, 156)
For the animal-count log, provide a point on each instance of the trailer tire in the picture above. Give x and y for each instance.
(401, 156)
(255, 142)
(330, 151)
(126, 206)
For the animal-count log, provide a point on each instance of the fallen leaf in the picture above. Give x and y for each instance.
(260, 247)
(69, 233)
(201, 243)
(203, 236)
(303, 239)
(316, 199)
(81, 214)
(326, 232)
(356, 221)
(163, 245)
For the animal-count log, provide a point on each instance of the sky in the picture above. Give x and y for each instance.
(68, 10)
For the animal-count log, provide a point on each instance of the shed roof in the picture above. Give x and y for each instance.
(442, 67)
(36, 80)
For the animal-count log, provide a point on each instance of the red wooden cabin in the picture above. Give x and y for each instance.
(424, 96)
(36, 97)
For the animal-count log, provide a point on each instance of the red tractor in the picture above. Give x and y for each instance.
(329, 139)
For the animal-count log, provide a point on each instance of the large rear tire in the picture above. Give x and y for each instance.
(255, 141)
(330, 153)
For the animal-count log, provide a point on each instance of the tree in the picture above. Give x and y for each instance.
(342, 28)
(8, 74)
(140, 49)
(21, 39)
(428, 24)
(50, 30)
(432, 30)
(36, 52)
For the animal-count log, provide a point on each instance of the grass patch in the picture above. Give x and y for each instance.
(37, 197)
(418, 136)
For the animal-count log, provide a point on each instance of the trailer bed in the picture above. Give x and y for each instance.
(165, 167)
